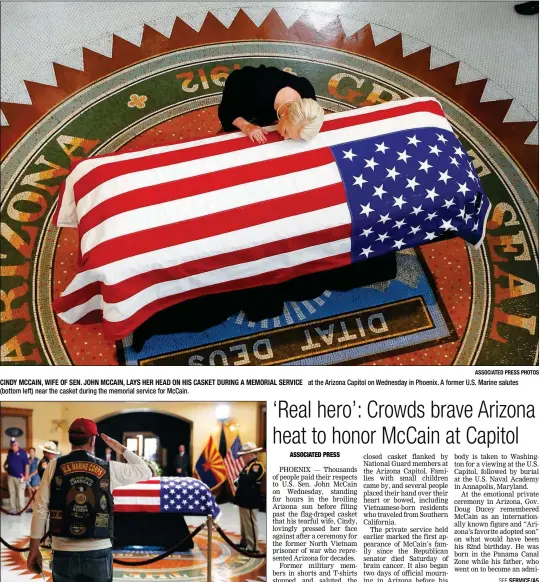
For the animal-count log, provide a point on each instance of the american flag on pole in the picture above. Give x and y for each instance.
(167, 224)
(233, 463)
(166, 495)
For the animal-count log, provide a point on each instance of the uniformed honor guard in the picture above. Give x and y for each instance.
(248, 496)
(76, 493)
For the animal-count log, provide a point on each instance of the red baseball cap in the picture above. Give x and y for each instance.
(83, 427)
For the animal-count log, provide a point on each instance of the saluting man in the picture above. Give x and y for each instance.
(76, 494)
(248, 496)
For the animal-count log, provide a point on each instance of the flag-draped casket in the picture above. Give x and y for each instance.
(163, 225)
(182, 495)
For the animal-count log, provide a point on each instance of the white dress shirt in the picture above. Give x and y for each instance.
(133, 471)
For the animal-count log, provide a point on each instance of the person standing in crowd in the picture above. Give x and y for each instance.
(76, 493)
(248, 496)
(50, 452)
(181, 462)
(109, 456)
(18, 470)
(33, 477)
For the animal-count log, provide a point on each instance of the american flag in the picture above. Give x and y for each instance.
(233, 463)
(166, 495)
(167, 224)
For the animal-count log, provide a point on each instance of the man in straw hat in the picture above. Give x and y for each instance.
(76, 494)
(248, 496)
(50, 452)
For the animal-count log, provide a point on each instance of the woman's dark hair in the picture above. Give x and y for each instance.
(32, 449)
(79, 441)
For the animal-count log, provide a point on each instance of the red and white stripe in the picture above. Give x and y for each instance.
(233, 466)
(168, 224)
(142, 497)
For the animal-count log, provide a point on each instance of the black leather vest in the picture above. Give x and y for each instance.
(81, 503)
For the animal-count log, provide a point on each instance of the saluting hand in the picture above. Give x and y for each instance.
(115, 445)
(255, 133)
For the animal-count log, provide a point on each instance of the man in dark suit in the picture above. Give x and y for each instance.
(181, 462)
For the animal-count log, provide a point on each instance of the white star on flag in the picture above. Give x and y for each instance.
(165, 507)
(475, 227)
(425, 166)
(430, 236)
(399, 201)
(447, 225)
(463, 188)
(412, 184)
(383, 237)
(431, 216)
(399, 223)
(449, 203)
(458, 152)
(414, 229)
(454, 162)
(366, 252)
(381, 147)
(461, 213)
(467, 218)
(359, 180)
(384, 218)
(371, 163)
(367, 231)
(398, 244)
(434, 150)
(392, 173)
(403, 156)
(445, 176)
(413, 141)
(349, 155)
(431, 194)
(416, 210)
(440, 137)
(471, 175)
(379, 191)
(367, 210)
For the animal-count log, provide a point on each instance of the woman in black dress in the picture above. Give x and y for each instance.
(255, 97)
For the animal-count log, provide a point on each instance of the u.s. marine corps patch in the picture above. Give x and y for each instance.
(104, 483)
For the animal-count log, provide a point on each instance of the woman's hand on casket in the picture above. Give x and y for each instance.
(255, 133)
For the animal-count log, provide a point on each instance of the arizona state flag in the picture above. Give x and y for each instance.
(210, 468)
